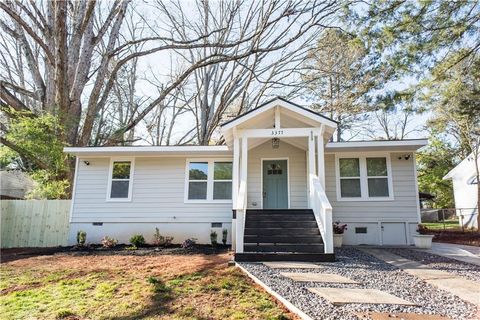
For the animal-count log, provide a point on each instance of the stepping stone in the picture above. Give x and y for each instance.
(318, 277)
(402, 315)
(292, 265)
(340, 296)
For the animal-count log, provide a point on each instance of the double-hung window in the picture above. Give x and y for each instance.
(208, 181)
(377, 177)
(350, 178)
(120, 180)
(364, 178)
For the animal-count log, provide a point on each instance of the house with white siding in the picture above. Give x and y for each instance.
(277, 185)
(465, 191)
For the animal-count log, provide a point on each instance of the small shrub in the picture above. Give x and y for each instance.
(339, 228)
(81, 238)
(160, 240)
(213, 238)
(189, 243)
(64, 313)
(132, 247)
(108, 242)
(137, 240)
(422, 229)
(224, 236)
(158, 285)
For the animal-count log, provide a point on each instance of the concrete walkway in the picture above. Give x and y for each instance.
(466, 290)
(469, 254)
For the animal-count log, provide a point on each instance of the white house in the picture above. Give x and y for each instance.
(465, 190)
(276, 185)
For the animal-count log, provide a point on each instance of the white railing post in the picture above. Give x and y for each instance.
(311, 167)
(323, 214)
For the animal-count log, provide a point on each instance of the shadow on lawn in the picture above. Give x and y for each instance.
(165, 295)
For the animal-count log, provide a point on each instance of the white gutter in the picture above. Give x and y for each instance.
(144, 150)
(413, 144)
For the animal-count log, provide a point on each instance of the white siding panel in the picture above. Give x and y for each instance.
(402, 208)
(157, 194)
(297, 173)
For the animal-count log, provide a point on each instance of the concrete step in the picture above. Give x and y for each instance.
(307, 248)
(287, 256)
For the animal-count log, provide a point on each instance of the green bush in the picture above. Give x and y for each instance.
(213, 237)
(137, 240)
(81, 237)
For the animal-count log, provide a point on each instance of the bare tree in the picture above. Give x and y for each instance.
(65, 57)
(341, 72)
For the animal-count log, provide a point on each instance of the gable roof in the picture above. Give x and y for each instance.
(462, 167)
(283, 103)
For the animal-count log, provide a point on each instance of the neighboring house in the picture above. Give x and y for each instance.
(276, 186)
(465, 191)
(14, 185)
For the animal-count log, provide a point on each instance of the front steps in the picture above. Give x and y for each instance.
(282, 235)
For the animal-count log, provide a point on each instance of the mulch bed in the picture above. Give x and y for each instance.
(471, 238)
(13, 254)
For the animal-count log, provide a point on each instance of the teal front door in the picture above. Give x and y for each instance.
(275, 184)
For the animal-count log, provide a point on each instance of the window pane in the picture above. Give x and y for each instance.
(121, 170)
(349, 167)
(197, 190)
(222, 190)
(378, 187)
(119, 189)
(376, 166)
(350, 188)
(198, 170)
(222, 171)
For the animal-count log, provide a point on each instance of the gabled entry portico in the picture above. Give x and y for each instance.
(266, 129)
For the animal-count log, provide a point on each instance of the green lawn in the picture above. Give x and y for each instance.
(130, 287)
(449, 224)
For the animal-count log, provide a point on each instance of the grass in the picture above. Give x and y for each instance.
(57, 287)
(449, 224)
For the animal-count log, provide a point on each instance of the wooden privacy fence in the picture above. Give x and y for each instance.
(34, 223)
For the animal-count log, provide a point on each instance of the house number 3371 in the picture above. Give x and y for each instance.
(277, 132)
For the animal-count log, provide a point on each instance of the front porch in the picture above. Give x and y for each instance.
(280, 209)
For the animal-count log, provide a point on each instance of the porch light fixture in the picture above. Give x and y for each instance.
(275, 143)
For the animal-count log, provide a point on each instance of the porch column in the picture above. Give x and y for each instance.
(240, 221)
(235, 173)
(235, 170)
(321, 159)
(311, 166)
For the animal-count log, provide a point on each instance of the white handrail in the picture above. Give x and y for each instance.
(322, 210)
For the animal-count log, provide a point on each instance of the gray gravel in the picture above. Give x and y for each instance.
(434, 261)
(373, 274)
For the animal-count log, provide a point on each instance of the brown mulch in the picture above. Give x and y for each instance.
(470, 238)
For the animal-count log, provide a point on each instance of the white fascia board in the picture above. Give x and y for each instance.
(148, 150)
(459, 166)
(386, 145)
(281, 103)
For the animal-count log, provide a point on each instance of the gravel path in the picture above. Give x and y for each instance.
(373, 274)
(434, 261)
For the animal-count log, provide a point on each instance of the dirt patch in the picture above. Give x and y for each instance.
(457, 237)
(403, 316)
(163, 286)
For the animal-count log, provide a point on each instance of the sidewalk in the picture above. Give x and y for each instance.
(466, 290)
(469, 254)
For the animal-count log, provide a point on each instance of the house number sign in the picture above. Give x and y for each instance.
(277, 132)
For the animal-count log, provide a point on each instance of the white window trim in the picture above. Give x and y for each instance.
(363, 176)
(130, 182)
(210, 180)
